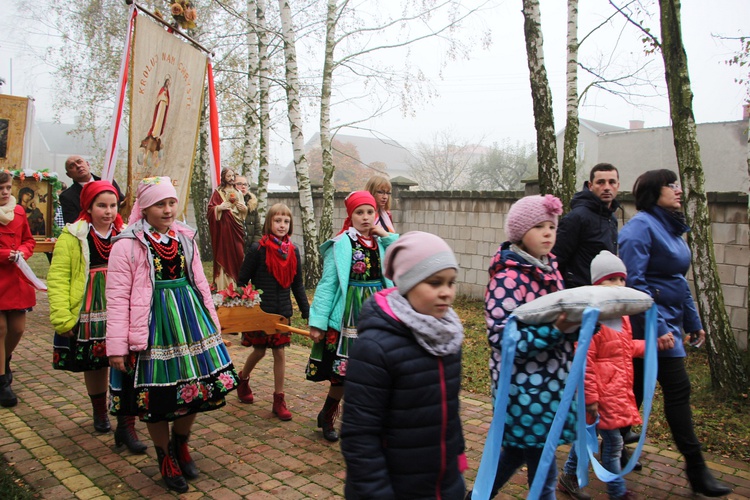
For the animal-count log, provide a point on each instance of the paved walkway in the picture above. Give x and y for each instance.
(243, 451)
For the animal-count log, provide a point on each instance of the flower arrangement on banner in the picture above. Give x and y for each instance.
(37, 175)
(247, 296)
(184, 12)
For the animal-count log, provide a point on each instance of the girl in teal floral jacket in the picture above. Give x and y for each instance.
(352, 272)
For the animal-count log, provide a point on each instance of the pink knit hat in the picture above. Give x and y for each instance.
(150, 191)
(416, 256)
(530, 211)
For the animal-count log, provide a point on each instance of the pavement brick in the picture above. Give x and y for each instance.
(90, 493)
(243, 451)
(77, 482)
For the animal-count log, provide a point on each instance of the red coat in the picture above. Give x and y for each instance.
(15, 291)
(609, 376)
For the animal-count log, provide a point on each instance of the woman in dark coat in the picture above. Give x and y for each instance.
(657, 258)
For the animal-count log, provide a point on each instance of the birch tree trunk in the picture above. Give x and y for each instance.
(747, 289)
(264, 118)
(726, 365)
(570, 141)
(249, 150)
(313, 268)
(544, 121)
(200, 189)
(326, 219)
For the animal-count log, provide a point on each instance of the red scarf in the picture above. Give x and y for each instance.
(281, 260)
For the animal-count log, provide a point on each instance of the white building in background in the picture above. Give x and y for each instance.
(371, 150)
(53, 143)
(634, 150)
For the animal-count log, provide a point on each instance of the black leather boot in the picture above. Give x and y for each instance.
(182, 452)
(7, 396)
(101, 416)
(625, 457)
(327, 417)
(125, 435)
(704, 483)
(8, 371)
(170, 471)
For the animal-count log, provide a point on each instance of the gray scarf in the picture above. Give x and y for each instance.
(439, 337)
(542, 263)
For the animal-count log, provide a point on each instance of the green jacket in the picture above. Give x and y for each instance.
(66, 279)
(327, 308)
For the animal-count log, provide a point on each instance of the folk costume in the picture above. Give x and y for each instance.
(352, 272)
(162, 317)
(162, 325)
(77, 282)
(76, 289)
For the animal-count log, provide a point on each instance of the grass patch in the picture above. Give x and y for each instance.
(12, 486)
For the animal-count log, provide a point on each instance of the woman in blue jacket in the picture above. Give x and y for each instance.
(657, 258)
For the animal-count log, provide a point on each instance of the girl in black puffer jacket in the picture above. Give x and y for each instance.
(401, 434)
(273, 266)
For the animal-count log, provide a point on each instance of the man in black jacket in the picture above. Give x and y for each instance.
(79, 171)
(590, 227)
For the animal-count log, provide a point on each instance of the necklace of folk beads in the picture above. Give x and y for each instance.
(168, 251)
(103, 246)
(367, 242)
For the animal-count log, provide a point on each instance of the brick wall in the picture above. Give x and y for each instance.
(472, 223)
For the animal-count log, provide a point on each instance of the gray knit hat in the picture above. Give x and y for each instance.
(416, 256)
(607, 265)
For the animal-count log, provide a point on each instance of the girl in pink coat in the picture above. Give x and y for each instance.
(16, 295)
(163, 335)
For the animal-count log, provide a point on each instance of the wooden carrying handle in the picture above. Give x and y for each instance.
(248, 319)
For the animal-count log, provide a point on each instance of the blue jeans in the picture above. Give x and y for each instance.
(511, 458)
(611, 451)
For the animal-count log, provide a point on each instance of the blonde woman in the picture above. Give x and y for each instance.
(380, 189)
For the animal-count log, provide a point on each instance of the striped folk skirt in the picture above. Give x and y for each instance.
(329, 358)
(86, 350)
(186, 368)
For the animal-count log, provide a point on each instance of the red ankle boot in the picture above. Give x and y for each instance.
(244, 393)
(279, 406)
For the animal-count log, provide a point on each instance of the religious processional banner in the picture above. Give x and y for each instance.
(166, 94)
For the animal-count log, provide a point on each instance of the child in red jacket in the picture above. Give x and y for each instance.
(16, 294)
(609, 383)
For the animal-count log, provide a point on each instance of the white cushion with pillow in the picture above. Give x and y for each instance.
(612, 302)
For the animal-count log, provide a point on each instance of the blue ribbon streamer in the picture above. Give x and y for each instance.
(649, 384)
(493, 444)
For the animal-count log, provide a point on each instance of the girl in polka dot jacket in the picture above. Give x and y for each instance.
(522, 270)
